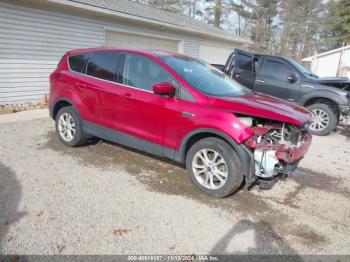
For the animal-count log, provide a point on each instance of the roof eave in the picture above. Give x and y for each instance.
(340, 49)
(114, 13)
(307, 59)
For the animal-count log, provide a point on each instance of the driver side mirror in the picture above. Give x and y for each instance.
(292, 78)
(164, 89)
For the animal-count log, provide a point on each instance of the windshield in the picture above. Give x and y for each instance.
(204, 77)
(302, 69)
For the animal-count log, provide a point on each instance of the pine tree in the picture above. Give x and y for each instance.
(338, 21)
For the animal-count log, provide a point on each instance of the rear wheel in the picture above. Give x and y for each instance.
(325, 119)
(69, 127)
(214, 167)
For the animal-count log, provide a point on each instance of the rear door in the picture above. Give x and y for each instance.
(272, 79)
(75, 80)
(102, 93)
(243, 68)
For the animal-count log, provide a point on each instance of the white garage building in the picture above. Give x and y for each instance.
(35, 34)
(332, 63)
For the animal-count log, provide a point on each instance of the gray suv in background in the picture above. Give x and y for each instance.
(327, 98)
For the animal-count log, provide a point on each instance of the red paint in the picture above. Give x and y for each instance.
(164, 89)
(290, 155)
(285, 153)
(264, 106)
(251, 142)
(160, 119)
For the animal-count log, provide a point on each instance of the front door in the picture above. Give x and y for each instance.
(273, 79)
(144, 113)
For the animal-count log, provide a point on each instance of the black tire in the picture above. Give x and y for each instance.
(333, 119)
(79, 137)
(234, 166)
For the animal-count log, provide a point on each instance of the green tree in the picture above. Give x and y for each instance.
(263, 27)
(213, 12)
(301, 25)
(337, 30)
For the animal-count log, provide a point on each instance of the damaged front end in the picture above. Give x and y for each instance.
(277, 149)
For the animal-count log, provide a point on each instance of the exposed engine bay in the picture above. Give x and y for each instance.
(277, 149)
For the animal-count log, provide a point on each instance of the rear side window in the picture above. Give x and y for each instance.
(104, 66)
(245, 62)
(77, 62)
(229, 62)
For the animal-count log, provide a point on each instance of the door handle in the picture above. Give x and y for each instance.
(260, 81)
(128, 96)
(237, 76)
(80, 84)
(187, 114)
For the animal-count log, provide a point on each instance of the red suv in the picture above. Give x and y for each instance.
(179, 108)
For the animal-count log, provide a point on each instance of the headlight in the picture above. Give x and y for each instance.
(248, 121)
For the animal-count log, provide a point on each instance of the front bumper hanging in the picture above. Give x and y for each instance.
(275, 161)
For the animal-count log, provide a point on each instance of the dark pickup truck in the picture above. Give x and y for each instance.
(327, 98)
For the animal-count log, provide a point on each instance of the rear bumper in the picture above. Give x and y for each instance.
(290, 155)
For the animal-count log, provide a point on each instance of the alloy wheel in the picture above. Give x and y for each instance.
(321, 120)
(66, 127)
(209, 169)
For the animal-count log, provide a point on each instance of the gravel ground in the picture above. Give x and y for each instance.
(105, 199)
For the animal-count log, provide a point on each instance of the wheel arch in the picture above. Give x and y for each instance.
(323, 100)
(60, 103)
(243, 153)
(322, 96)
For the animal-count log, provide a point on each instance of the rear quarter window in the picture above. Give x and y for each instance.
(77, 62)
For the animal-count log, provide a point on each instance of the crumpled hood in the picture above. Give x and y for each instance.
(324, 80)
(264, 106)
(333, 82)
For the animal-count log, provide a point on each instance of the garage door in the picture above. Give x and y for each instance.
(129, 40)
(214, 53)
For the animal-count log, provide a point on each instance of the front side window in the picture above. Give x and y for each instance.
(77, 62)
(103, 65)
(204, 77)
(302, 69)
(276, 70)
(141, 72)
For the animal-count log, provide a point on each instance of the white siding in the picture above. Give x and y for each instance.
(34, 39)
(332, 64)
(215, 53)
(31, 44)
(132, 40)
(191, 47)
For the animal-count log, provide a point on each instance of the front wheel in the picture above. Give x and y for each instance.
(214, 167)
(325, 119)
